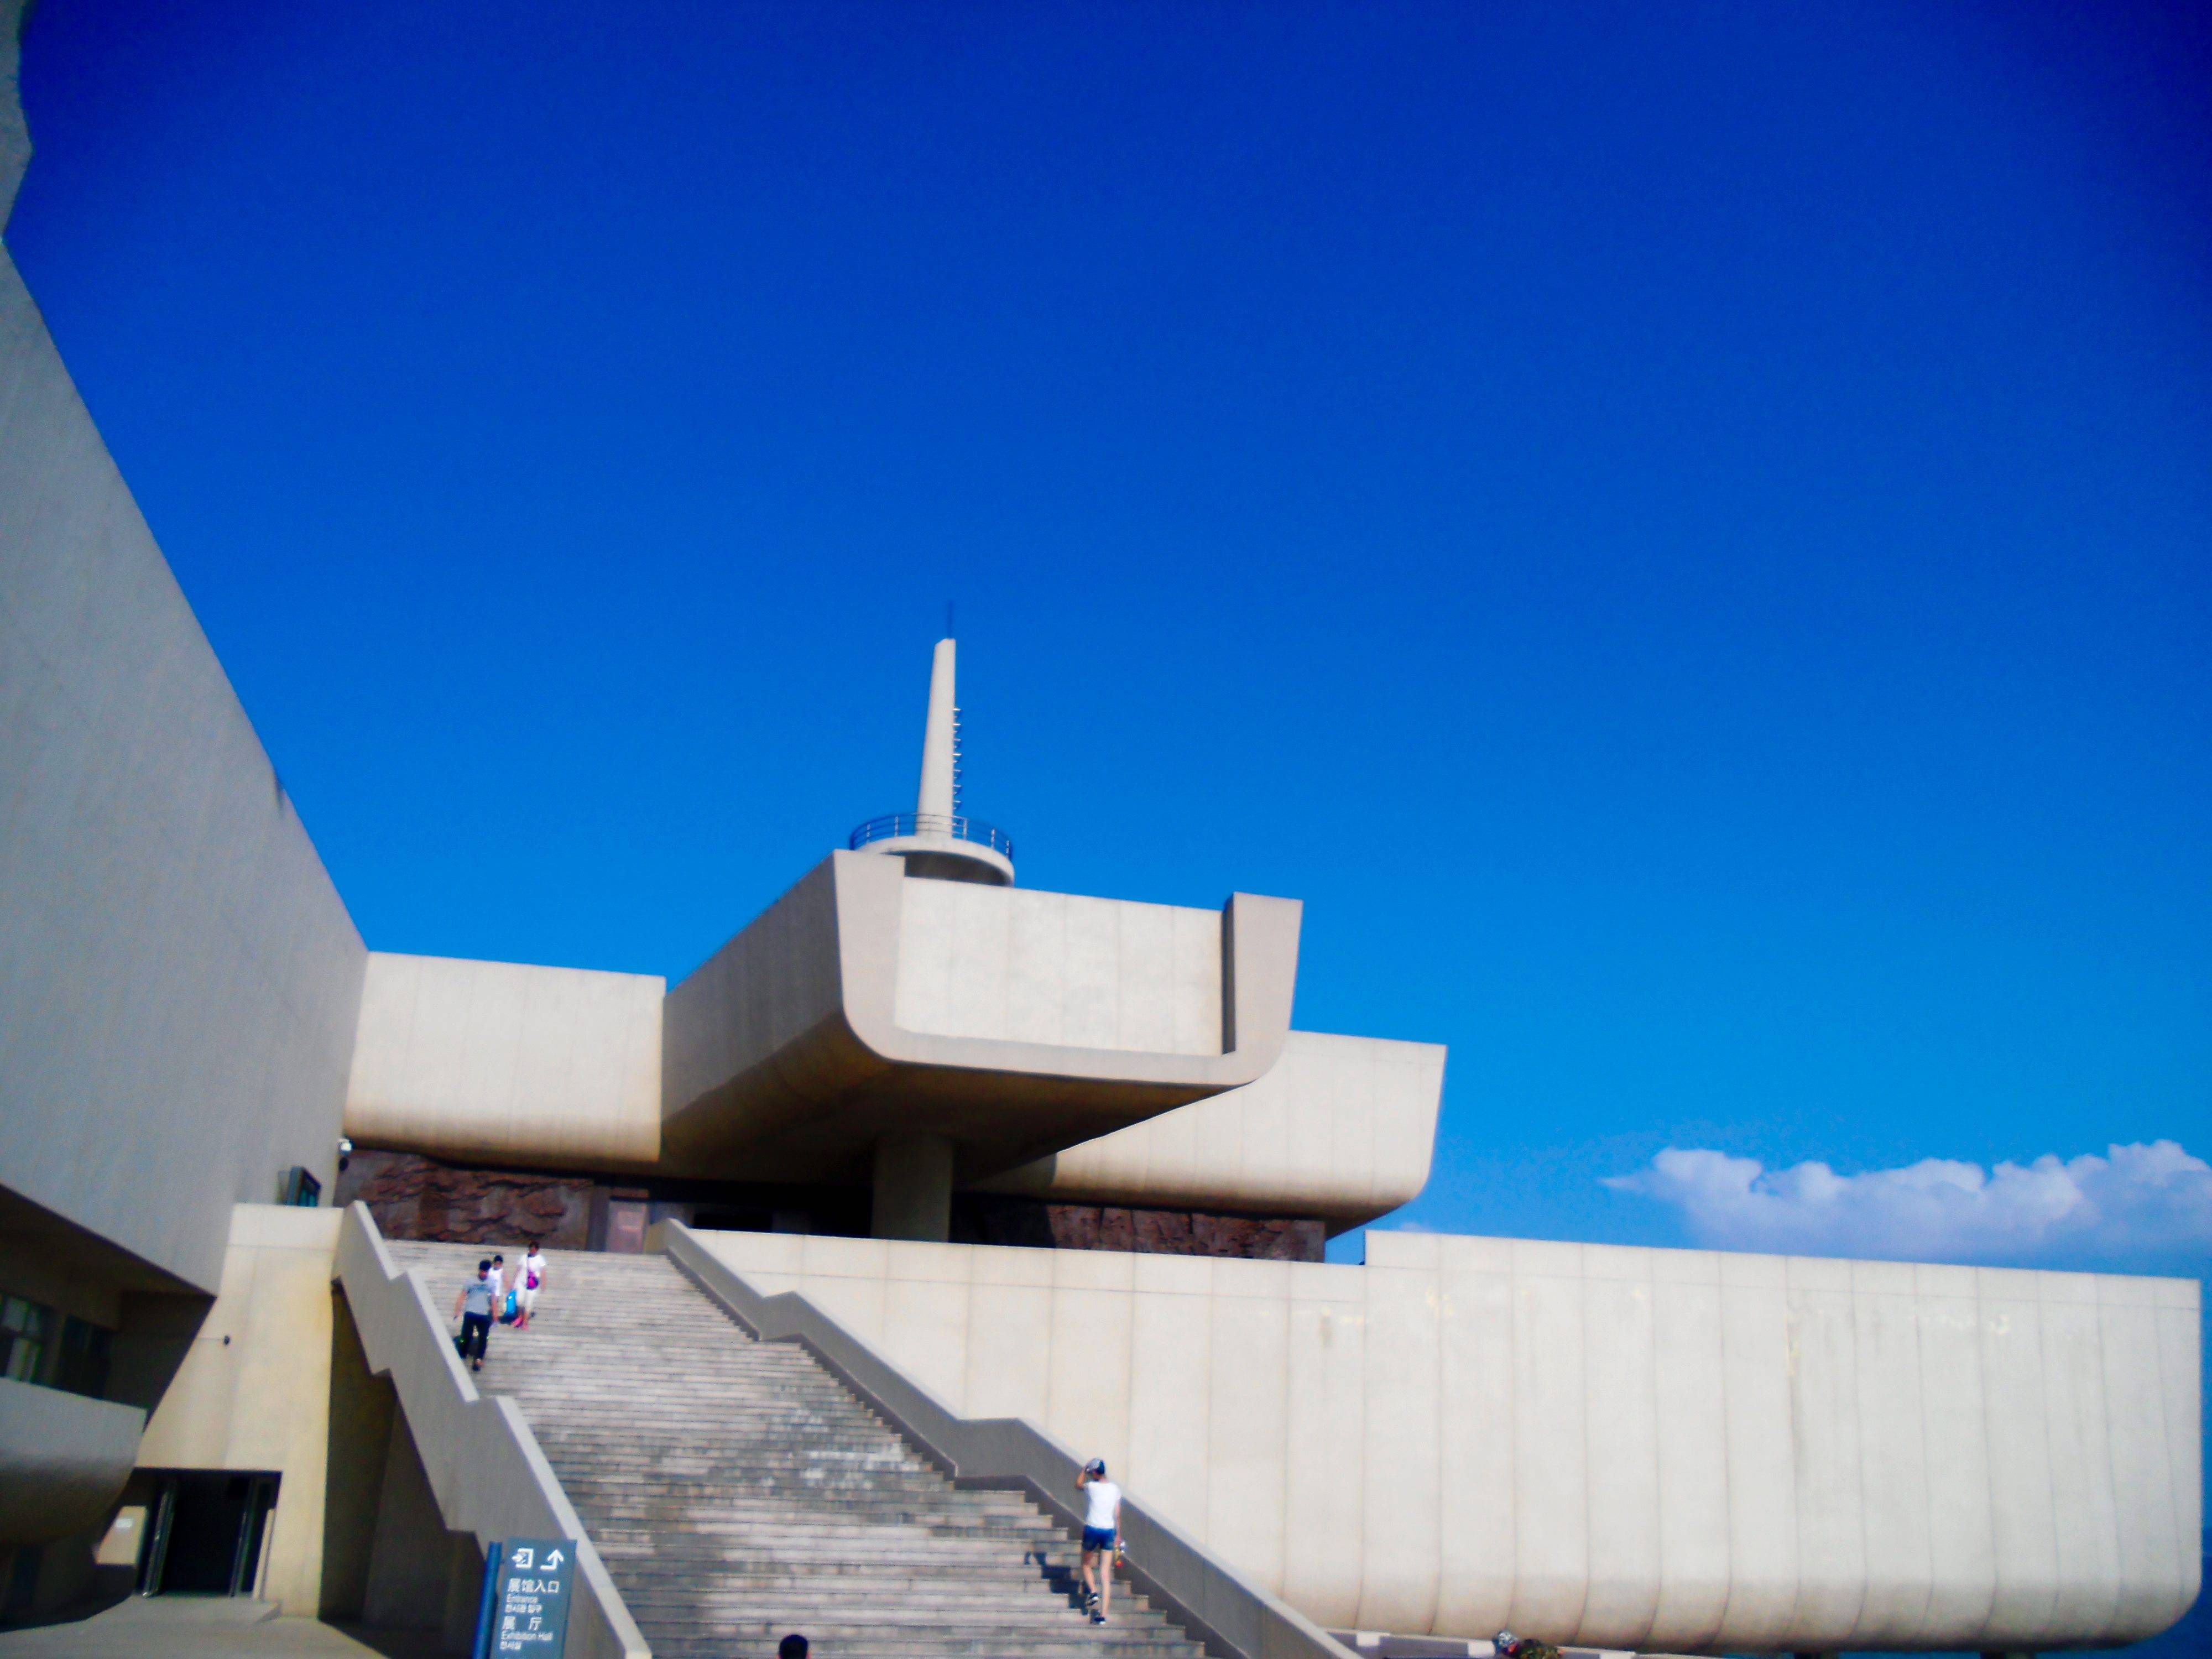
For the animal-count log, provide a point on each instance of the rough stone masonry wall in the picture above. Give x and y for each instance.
(981, 1220)
(416, 1197)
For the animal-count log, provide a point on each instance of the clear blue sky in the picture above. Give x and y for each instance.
(1683, 534)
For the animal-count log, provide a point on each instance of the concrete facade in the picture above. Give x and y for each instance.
(1013, 964)
(494, 1059)
(179, 980)
(1339, 1128)
(1669, 1449)
(785, 1057)
(255, 1393)
(1665, 1450)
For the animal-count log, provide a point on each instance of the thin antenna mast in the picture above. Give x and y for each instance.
(957, 791)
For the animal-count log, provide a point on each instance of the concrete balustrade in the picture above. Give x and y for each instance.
(483, 1464)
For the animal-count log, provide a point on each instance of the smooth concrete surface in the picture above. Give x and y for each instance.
(943, 856)
(484, 1465)
(254, 1391)
(495, 1060)
(1213, 1602)
(932, 850)
(179, 980)
(1016, 965)
(784, 1058)
(64, 1460)
(209, 1627)
(15, 137)
(362, 1411)
(411, 1564)
(913, 1191)
(938, 794)
(1340, 1128)
(1621, 1448)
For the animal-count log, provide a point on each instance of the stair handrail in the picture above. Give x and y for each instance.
(487, 1470)
(1216, 1603)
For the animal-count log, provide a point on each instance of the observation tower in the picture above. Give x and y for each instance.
(937, 838)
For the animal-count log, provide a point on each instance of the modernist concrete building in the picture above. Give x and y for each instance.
(1024, 1171)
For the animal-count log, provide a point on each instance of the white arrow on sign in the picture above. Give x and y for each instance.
(553, 1558)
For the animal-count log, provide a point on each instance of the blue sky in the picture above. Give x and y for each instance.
(1680, 535)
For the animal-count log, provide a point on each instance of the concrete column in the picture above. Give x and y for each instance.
(913, 1188)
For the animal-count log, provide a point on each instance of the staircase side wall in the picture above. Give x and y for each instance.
(484, 1465)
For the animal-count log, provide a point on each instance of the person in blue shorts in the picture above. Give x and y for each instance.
(1102, 1536)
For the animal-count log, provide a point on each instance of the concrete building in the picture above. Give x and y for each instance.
(1024, 1171)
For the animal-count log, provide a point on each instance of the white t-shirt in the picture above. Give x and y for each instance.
(1105, 1498)
(533, 1266)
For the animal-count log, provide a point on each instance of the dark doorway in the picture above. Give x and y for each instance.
(208, 1533)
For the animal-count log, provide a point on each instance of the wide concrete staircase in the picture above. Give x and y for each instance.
(737, 1490)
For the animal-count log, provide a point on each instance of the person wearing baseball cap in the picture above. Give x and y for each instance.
(1102, 1536)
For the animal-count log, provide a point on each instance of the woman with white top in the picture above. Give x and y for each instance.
(1102, 1536)
(529, 1279)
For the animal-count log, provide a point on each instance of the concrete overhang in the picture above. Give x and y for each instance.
(64, 1460)
(823, 1026)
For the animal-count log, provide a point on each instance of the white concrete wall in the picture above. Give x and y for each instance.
(1023, 966)
(178, 977)
(558, 1065)
(1340, 1128)
(1627, 1448)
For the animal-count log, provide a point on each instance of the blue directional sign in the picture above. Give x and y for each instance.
(524, 1611)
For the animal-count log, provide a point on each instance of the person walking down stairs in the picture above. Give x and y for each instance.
(473, 1307)
(529, 1279)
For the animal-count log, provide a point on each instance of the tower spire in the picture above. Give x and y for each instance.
(939, 795)
(937, 838)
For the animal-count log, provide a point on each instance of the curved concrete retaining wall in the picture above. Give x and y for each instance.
(485, 1466)
(1683, 1450)
(1216, 1603)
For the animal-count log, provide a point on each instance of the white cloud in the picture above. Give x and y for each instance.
(2145, 1207)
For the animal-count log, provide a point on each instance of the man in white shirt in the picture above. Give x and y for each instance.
(1102, 1536)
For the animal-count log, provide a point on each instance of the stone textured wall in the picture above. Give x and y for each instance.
(416, 1197)
(987, 1220)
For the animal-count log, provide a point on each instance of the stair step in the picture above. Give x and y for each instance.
(737, 1490)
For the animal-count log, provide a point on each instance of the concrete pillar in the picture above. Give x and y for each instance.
(913, 1188)
(935, 796)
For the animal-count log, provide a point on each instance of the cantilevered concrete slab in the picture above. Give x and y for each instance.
(868, 1003)
(1341, 1128)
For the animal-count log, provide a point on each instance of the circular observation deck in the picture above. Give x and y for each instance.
(942, 848)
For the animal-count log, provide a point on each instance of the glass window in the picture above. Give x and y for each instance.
(26, 1327)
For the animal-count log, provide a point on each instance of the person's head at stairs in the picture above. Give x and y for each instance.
(792, 1646)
